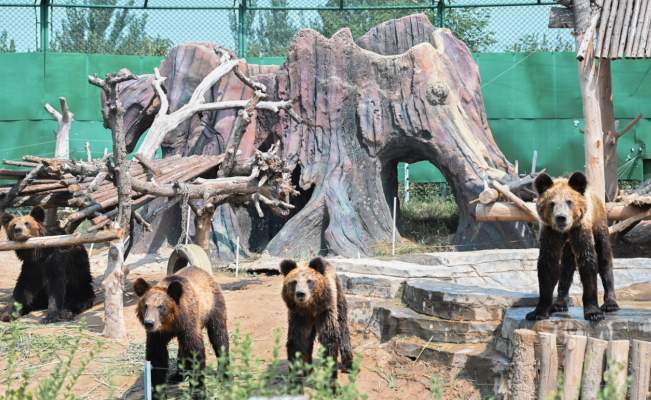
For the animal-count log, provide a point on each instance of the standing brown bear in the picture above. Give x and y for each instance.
(316, 304)
(572, 220)
(54, 278)
(180, 306)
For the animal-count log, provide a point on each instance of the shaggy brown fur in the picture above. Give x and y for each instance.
(180, 306)
(56, 278)
(316, 304)
(573, 230)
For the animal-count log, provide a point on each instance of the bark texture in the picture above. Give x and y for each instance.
(406, 92)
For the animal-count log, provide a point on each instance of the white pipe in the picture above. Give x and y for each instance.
(237, 257)
(393, 251)
(406, 183)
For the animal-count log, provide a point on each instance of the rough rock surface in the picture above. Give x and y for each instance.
(416, 98)
(380, 286)
(393, 319)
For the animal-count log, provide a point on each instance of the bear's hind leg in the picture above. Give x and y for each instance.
(605, 259)
(568, 266)
(551, 247)
(583, 246)
(328, 330)
(30, 296)
(218, 334)
(191, 342)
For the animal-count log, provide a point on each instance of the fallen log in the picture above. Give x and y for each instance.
(63, 240)
(509, 212)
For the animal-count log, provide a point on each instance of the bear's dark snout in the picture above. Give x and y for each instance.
(300, 295)
(149, 324)
(561, 218)
(18, 230)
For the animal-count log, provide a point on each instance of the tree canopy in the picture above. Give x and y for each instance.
(7, 45)
(107, 31)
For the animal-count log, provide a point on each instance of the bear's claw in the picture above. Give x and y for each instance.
(610, 307)
(594, 316)
(537, 315)
(51, 318)
(559, 307)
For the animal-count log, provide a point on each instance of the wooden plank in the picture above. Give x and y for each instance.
(645, 31)
(574, 356)
(638, 27)
(633, 29)
(595, 365)
(605, 14)
(548, 382)
(524, 362)
(640, 368)
(617, 30)
(609, 31)
(625, 29)
(561, 18)
(63, 240)
(618, 351)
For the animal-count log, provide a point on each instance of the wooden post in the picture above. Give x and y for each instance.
(237, 257)
(618, 351)
(640, 368)
(524, 370)
(594, 155)
(89, 155)
(62, 147)
(595, 365)
(548, 383)
(116, 271)
(574, 356)
(605, 93)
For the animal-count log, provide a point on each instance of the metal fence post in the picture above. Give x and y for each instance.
(241, 17)
(406, 183)
(45, 24)
(441, 13)
(147, 380)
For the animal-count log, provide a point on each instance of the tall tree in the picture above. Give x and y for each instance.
(107, 31)
(468, 25)
(7, 45)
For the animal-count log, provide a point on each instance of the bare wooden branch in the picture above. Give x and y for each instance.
(513, 198)
(605, 14)
(617, 30)
(638, 28)
(644, 31)
(605, 50)
(632, 27)
(142, 221)
(629, 126)
(588, 37)
(146, 163)
(628, 222)
(64, 119)
(89, 156)
(625, 34)
(63, 240)
(18, 187)
(509, 212)
(95, 184)
(19, 163)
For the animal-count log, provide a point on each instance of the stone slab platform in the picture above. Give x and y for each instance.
(497, 269)
(626, 324)
(380, 286)
(391, 319)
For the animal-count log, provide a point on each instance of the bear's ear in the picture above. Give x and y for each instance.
(287, 266)
(579, 182)
(38, 213)
(175, 291)
(318, 264)
(5, 219)
(141, 286)
(542, 183)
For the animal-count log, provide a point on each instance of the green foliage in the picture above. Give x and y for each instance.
(7, 45)
(60, 383)
(612, 391)
(470, 25)
(248, 375)
(107, 31)
(537, 42)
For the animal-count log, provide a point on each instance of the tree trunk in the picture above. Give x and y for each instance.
(594, 153)
(414, 96)
(573, 368)
(605, 94)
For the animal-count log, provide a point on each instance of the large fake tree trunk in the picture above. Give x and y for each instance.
(414, 96)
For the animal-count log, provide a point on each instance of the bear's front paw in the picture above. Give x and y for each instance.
(537, 315)
(594, 316)
(559, 306)
(51, 318)
(67, 315)
(610, 306)
(6, 317)
(175, 378)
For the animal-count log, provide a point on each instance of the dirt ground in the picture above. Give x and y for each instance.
(259, 310)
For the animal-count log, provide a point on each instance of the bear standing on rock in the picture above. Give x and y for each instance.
(180, 306)
(317, 304)
(54, 278)
(573, 228)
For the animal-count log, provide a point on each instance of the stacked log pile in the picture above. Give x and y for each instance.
(624, 30)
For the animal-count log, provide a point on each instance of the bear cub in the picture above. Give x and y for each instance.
(54, 278)
(573, 231)
(316, 304)
(181, 306)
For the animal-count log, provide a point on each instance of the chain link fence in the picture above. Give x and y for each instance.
(260, 28)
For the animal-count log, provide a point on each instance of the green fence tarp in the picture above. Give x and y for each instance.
(532, 100)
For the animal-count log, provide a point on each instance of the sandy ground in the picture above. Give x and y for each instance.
(257, 308)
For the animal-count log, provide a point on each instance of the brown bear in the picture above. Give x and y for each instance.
(316, 304)
(573, 231)
(181, 306)
(54, 278)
